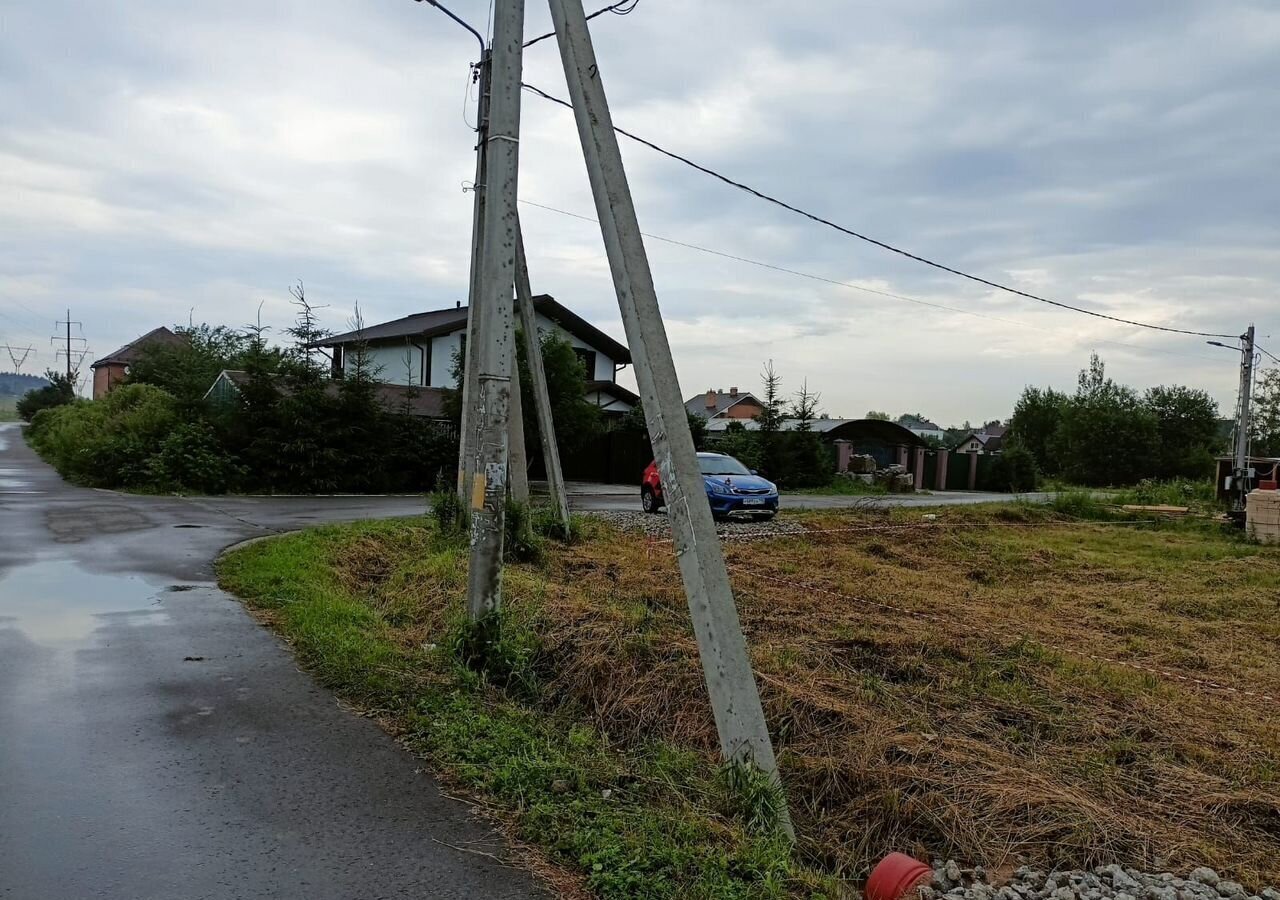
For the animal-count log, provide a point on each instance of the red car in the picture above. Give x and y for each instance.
(731, 488)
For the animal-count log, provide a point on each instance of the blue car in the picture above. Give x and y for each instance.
(732, 488)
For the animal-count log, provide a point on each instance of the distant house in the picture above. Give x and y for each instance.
(922, 427)
(424, 402)
(719, 404)
(112, 368)
(419, 350)
(987, 440)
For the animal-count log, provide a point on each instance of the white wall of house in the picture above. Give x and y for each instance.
(402, 363)
(395, 363)
(607, 402)
(443, 348)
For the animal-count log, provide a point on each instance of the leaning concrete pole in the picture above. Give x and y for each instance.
(518, 458)
(541, 396)
(726, 665)
(490, 401)
(466, 433)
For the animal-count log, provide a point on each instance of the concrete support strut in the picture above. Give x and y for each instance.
(490, 400)
(726, 665)
(518, 458)
(541, 396)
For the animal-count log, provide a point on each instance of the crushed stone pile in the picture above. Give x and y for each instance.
(1110, 882)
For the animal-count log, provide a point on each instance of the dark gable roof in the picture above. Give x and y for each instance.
(613, 389)
(130, 351)
(724, 400)
(444, 321)
(922, 424)
(835, 429)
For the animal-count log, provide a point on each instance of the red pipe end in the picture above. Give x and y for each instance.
(896, 876)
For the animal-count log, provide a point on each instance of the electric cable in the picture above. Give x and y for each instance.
(624, 8)
(857, 287)
(874, 241)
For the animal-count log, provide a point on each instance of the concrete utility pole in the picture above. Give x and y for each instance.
(735, 701)
(466, 431)
(1240, 472)
(541, 396)
(488, 403)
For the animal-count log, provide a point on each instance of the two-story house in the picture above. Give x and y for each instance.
(420, 350)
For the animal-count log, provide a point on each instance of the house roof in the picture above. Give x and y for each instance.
(427, 402)
(130, 351)
(916, 422)
(990, 442)
(454, 318)
(724, 401)
(613, 389)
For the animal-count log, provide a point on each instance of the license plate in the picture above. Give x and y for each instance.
(753, 501)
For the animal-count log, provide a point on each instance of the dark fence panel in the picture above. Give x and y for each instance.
(958, 472)
(611, 457)
(930, 470)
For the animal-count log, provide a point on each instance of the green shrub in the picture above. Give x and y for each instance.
(1015, 471)
(192, 458)
(60, 391)
(520, 542)
(1081, 505)
(107, 442)
(446, 509)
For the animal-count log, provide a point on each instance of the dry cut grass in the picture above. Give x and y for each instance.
(939, 688)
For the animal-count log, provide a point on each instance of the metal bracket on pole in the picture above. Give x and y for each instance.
(541, 396)
(726, 665)
(489, 402)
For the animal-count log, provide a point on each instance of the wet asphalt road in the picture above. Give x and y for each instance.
(156, 743)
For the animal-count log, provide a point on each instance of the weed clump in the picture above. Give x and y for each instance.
(446, 509)
(501, 650)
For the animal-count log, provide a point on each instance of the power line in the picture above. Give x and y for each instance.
(624, 8)
(1273, 357)
(874, 241)
(857, 287)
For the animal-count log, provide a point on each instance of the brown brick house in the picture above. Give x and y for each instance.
(112, 368)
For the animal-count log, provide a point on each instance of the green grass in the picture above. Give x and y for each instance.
(845, 487)
(652, 822)
(8, 409)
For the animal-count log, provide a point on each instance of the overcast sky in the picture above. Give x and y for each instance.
(162, 160)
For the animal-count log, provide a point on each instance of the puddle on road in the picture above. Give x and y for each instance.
(11, 483)
(56, 602)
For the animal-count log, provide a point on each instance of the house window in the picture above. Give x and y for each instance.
(588, 360)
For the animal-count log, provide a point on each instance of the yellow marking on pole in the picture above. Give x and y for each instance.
(478, 484)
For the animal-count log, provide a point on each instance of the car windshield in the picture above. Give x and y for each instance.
(721, 465)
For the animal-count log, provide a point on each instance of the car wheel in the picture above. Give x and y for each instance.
(648, 501)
